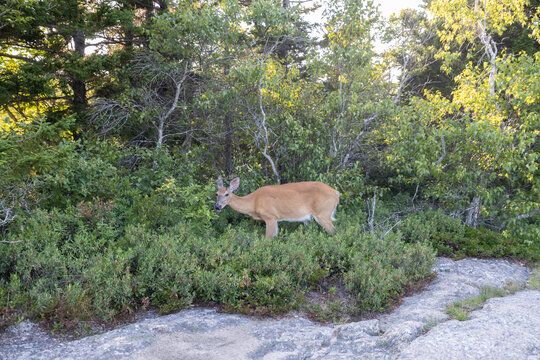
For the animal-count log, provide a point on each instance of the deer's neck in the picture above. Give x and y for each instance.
(241, 204)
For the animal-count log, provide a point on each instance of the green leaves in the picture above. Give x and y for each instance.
(190, 31)
(25, 148)
(268, 19)
(475, 144)
(55, 54)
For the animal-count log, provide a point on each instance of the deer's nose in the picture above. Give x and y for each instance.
(217, 207)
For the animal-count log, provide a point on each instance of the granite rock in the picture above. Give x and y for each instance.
(419, 328)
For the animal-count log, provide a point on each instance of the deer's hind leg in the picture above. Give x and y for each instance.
(325, 217)
(326, 223)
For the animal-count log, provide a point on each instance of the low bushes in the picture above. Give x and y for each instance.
(65, 269)
(103, 258)
(450, 237)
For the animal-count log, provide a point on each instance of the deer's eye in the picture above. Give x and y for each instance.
(227, 194)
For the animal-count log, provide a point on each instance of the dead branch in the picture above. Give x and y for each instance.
(263, 133)
(6, 214)
(371, 211)
(443, 151)
(527, 216)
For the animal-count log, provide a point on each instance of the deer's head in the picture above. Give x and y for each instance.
(224, 193)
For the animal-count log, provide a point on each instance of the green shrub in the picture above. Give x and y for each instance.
(8, 259)
(163, 268)
(57, 256)
(109, 283)
(522, 238)
(451, 238)
(246, 272)
(333, 253)
(151, 211)
(444, 232)
(81, 177)
(351, 184)
(87, 262)
(171, 203)
(381, 269)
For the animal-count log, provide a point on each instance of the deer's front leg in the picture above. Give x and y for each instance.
(271, 228)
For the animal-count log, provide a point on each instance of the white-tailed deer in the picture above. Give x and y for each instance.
(287, 202)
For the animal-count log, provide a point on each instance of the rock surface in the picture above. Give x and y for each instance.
(505, 328)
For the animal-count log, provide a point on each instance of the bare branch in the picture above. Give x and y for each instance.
(6, 214)
(527, 216)
(386, 233)
(414, 196)
(17, 57)
(110, 114)
(354, 143)
(12, 198)
(371, 211)
(443, 151)
(165, 117)
(263, 132)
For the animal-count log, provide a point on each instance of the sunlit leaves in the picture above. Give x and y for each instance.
(461, 18)
(469, 146)
(479, 142)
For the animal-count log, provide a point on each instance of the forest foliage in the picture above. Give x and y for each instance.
(116, 117)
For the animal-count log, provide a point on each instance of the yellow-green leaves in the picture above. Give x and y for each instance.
(463, 18)
(475, 143)
(475, 22)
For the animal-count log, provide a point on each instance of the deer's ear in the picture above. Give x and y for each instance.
(219, 182)
(234, 184)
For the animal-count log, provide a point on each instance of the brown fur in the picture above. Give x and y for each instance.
(287, 202)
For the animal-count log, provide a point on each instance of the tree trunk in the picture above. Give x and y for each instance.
(283, 49)
(160, 137)
(473, 212)
(490, 49)
(129, 35)
(227, 122)
(78, 86)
